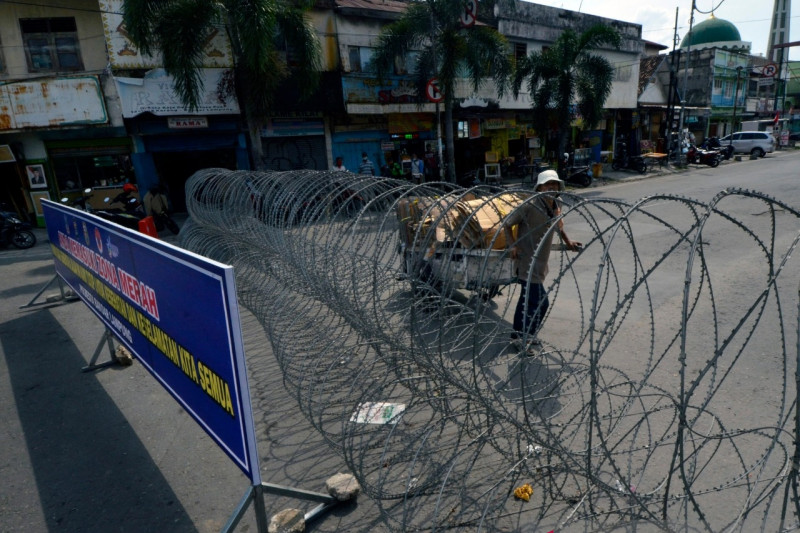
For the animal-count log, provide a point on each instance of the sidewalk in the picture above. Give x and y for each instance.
(610, 176)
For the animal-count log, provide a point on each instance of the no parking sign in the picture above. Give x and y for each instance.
(470, 14)
(433, 92)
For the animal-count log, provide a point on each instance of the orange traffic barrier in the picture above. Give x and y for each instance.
(148, 226)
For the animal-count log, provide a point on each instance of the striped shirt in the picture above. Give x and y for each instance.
(366, 167)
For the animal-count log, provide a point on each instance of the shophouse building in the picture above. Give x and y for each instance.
(80, 103)
(59, 113)
(530, 27)
(390, 120)
(169, 142)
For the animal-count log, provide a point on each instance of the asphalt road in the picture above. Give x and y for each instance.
(111, 451)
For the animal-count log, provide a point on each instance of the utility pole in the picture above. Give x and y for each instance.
(779, 78)
(439, 153)
(686, 68)
(735, 98)
(670, 102)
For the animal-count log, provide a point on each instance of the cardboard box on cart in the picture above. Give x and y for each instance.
(487, 230)
(416, 213)
(474, 222)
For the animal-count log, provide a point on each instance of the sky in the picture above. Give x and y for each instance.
(657, 17)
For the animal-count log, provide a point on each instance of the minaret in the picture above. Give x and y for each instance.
(779, 32)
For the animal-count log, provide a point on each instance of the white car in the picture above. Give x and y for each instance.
(756, 143)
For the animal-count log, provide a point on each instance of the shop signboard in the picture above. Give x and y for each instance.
(52, 103)
(155, 93)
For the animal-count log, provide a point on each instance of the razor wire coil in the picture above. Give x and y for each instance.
(389, 313)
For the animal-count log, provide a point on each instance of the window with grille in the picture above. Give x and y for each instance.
(520, 51)
(405, 64)
(286, 51)
(360, 58)
(51, 44)
(729, 90)
(355, 58)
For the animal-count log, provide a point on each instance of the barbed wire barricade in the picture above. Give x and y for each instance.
(664, 392)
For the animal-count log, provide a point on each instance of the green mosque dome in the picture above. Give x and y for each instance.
(713, 30)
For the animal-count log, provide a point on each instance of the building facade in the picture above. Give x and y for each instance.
(59, 113)
(84, 106)
(390, 120)
(169, 142)
(716, 83)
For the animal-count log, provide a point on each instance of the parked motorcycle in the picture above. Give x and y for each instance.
(81, 202)
(130, 204)
(623, 160)
(129, 214)
(14, 231)
(163, 220)
(575, 175)
(703, 157)
(713, 143)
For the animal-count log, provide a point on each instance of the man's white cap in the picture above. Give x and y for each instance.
(549, 175)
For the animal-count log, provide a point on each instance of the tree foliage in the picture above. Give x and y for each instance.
(258, 29)
(565, 73)
(447, 50)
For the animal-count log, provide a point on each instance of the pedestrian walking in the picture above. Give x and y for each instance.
(534, 220)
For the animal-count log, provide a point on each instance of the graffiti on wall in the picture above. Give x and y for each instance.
(294, 153)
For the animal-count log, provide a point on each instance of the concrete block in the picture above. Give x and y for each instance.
(123, 356)
(343, 487)
(287, 521)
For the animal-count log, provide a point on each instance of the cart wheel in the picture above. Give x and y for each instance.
(425, 285)
(490, 292)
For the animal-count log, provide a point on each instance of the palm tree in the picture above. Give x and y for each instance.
(566, 70)
(258, 30)
(447, 50)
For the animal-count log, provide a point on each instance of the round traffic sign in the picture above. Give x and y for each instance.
(769, 70)
(433, 92)
(470, 14)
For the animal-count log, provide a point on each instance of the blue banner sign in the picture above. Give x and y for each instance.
(174, 310)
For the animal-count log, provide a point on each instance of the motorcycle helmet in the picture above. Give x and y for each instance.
(130, 187)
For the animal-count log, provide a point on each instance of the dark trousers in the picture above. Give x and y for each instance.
(531, 308)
